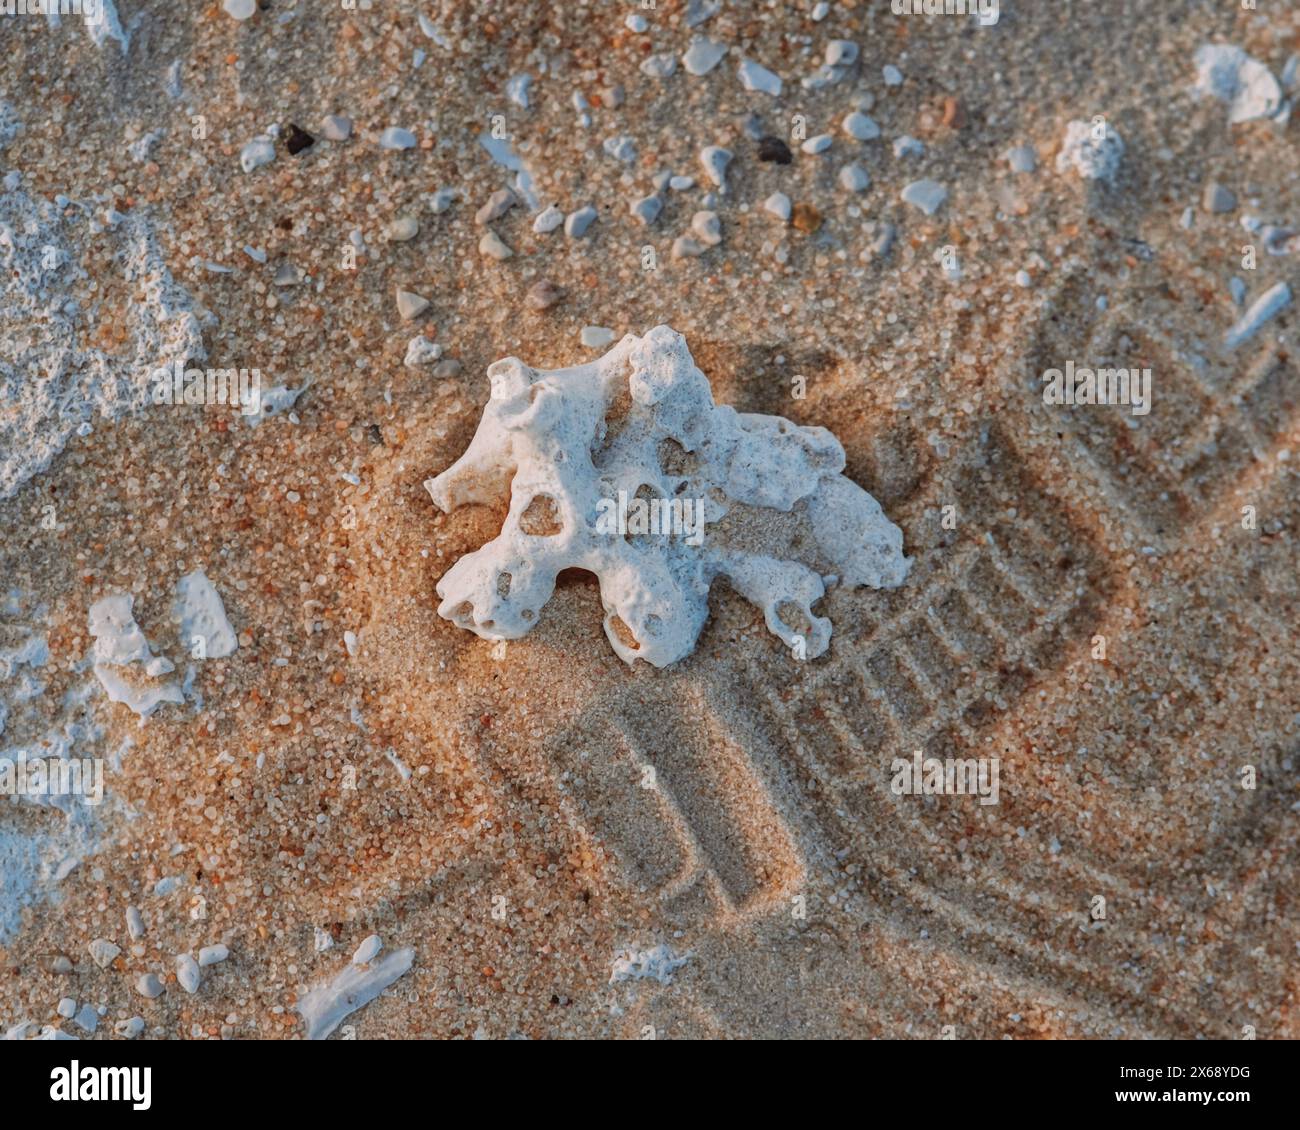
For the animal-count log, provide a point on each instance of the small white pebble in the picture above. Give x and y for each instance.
(368, 950)
(213, 955)
(854, 178)
(67, 1008)
(403, 229)
(659, 66)
(860, 127)
(548, 220)
(148, 986)
(1022, 158)
(517, 90)
(187, 973)
(493, 247)
(707, 228)
(647, 209)
(577, 223)
(596, 337)
(410, 305)
(841, 53)
(714, 160)
(396, 138)
(892, 75)
(754, 77)
(258, 152)
(779, 205)
(421, 351)
(103, 952)
(927, 195)
(818, 144)
(1023, 278)
(703, 55)
(336, 127)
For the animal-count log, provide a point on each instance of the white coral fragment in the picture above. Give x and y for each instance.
(119, 642)
(1091, 149)
(1248, 87)
(626, 468)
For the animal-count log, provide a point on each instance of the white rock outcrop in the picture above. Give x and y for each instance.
(625, 467)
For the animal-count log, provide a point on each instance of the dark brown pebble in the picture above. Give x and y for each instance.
(774, 149)
(298, 140)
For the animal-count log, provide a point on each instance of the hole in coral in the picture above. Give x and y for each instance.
(642, 520)
(794, 618)
(463, 611)
(675, 460)
(616, 417)
(528, 614)
(503, 584)
(541, 518)
(574, 577)
(623, 633)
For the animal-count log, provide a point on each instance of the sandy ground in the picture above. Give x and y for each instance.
(523, 853)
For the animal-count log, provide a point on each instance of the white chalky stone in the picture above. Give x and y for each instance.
(818, 144)
(240, 9)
